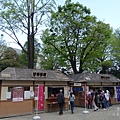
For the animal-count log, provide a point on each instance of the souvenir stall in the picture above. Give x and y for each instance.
(52, 92)
(29, 90)
(95, 82)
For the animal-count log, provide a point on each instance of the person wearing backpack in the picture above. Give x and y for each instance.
(89, 99)
(103, 94)
(94, 100)
(72, 98)
(101, 100)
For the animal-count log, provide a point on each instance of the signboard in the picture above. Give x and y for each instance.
(77, 89)
(77, 84)
(26, 94)
(17, 94)
(40, 97)
(8, 95)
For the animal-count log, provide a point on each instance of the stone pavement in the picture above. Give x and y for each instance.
(112, 114)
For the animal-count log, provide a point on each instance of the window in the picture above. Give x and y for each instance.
(18, 92)
(26, 88)
(54, 91)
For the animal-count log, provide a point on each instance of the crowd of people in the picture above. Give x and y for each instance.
(95, 100)
(98, 100)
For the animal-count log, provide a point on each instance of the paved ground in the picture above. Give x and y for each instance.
(112, 114)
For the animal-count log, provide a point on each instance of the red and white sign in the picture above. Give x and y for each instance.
(17, 94)
(40, 97)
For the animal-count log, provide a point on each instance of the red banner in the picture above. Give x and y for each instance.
(40, 97)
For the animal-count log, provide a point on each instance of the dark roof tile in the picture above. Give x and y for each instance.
(12, 73)
(91, 77)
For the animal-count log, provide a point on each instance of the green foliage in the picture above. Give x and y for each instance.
(76, 39)
(115, 45)
(9, 58)
(115, 53)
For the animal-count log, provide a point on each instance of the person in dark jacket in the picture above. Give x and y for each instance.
(60, 99)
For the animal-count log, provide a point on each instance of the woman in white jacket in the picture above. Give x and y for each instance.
(72, 98)
(107, 97)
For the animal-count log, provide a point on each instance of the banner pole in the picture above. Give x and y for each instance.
(36, 117)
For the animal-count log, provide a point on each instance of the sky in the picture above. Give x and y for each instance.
(105, 10)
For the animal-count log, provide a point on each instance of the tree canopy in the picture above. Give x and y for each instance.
(9, 58)
(76, 39)
(115, 53)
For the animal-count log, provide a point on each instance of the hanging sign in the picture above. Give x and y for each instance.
(77, 84)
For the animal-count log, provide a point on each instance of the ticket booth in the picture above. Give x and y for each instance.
(95, 82)
(51, 104)
(29, 90)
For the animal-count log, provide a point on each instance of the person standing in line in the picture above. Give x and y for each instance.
(68, 99)
(89, 98)
(99, 99)
(60, 99)
(94, 100)
(107, 97)
(102, 102)
(72, 98)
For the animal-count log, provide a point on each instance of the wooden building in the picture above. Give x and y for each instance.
(19, 90)
(95, 82)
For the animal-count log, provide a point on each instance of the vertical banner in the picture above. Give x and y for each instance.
(118, 93)
(40, 97)
(85, 100)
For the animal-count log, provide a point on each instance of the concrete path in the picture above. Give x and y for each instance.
(112, 114)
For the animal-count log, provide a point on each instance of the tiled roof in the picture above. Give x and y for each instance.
(91, 77)
(12, 73)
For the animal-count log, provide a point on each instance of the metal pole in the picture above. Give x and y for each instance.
(36, 117)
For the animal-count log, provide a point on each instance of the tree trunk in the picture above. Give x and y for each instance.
(31, 52)
(30, 37)
(73, 64)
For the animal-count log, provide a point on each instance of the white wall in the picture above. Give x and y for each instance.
(4, 90)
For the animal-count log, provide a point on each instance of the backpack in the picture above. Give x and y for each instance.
(89, 97)
(101, 98)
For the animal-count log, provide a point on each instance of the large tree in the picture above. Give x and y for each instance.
(76, 38)
(27, 17)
